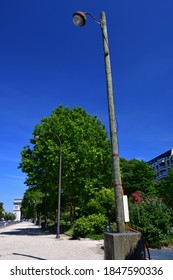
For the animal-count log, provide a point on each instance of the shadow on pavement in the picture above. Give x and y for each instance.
(29, 256)
(25, 231)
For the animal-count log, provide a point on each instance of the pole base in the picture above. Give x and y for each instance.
(124, 246)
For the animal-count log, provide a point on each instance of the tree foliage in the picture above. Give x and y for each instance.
(1, 210)
(87, 181)
(31, 202)
(103, 203)
(9, 216)
(137, 176)
(86, 157)
(165, 188)
(152, 218)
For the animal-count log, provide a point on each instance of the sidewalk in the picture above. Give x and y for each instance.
(25, 241)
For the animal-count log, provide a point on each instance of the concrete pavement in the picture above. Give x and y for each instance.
(25, 241)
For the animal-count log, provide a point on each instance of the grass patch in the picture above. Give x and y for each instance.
(95, 236)
(69, 232)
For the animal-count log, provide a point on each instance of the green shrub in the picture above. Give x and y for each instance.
(90, 225)
(152, 218)
(103, 203)
(94, 207)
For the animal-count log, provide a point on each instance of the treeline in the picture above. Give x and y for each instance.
(6, 215)
(87, 197)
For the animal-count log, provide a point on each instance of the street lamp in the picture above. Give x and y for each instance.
(59, 192)
(79, 19)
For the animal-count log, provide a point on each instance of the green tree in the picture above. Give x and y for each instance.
(33, 204)
(103, 202)
(1, 210)
(137, 176)
(9, 216)
(165, 188)
(86, 157)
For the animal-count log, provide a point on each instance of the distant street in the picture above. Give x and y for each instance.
(25, 241)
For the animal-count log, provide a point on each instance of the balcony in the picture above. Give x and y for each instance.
(162, 175)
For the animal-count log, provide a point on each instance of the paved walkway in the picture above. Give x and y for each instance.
(25, 241)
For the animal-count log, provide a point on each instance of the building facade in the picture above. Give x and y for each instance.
(17, 203)
(162, 164)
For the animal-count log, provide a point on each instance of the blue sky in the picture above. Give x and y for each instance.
(46, 61)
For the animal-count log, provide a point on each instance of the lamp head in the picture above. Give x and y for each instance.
(79, 19)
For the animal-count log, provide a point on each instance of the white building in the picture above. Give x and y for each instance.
(162, 164)
(17, 208)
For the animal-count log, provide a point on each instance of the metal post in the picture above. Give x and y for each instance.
(59, 193)
(113, 130)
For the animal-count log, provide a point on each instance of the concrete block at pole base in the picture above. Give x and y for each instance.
(124, 246)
